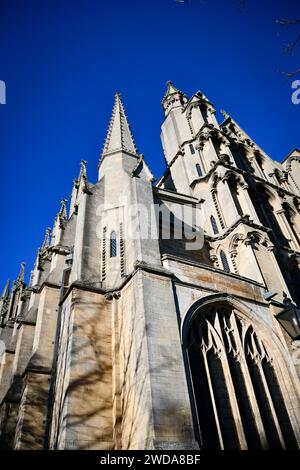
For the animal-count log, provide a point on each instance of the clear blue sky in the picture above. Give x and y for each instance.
(62, 62)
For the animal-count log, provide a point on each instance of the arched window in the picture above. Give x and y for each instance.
(214, 225)
(238, 398)
(224, 262)
(113, 244)
(198, 168)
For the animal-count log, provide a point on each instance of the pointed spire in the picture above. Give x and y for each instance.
(173, 98)
(46, 241)
(171, 90)
(5, 292)
(62, 215)
(4, 299)
(119, 136)
(82, 173)
(82, 178)
(21, 276)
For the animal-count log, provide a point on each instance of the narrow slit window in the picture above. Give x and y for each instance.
(214, 225)
(192, 149)
(113, 244)
(199, 171)
(224, 262)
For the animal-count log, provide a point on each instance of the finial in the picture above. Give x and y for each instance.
(46, 241)
(63, 213)
(82, 169)
(83, 177)
(171, 89)
(63, 209)
(21, 275)
(226, 115)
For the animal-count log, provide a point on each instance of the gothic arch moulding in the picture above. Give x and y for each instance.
(240, 378)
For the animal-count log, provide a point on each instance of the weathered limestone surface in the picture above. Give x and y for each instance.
(82, 416)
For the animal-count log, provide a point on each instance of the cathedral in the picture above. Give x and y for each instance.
(151, 318)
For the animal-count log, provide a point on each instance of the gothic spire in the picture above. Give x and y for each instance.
(82, 180)
(4, 299)
(82, 173)
(171, 90)
(21, 275)
(5, 292)
(46, 241)
(119, 136)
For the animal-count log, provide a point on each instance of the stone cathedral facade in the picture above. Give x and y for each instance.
(126, 338)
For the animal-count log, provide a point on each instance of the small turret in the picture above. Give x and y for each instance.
(173, 98)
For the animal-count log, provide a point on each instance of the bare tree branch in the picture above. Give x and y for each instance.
(285, 22)
(291, 74)
(289, 48)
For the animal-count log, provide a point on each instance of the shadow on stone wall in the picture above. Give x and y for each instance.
(86, 412)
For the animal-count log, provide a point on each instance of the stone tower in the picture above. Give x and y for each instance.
(149, 320)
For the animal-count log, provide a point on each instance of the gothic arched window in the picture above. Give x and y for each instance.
(237, 399)
(214, 225)
(113, 244)
(224, 262)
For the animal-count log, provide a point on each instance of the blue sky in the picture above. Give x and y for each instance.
(62, 62)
